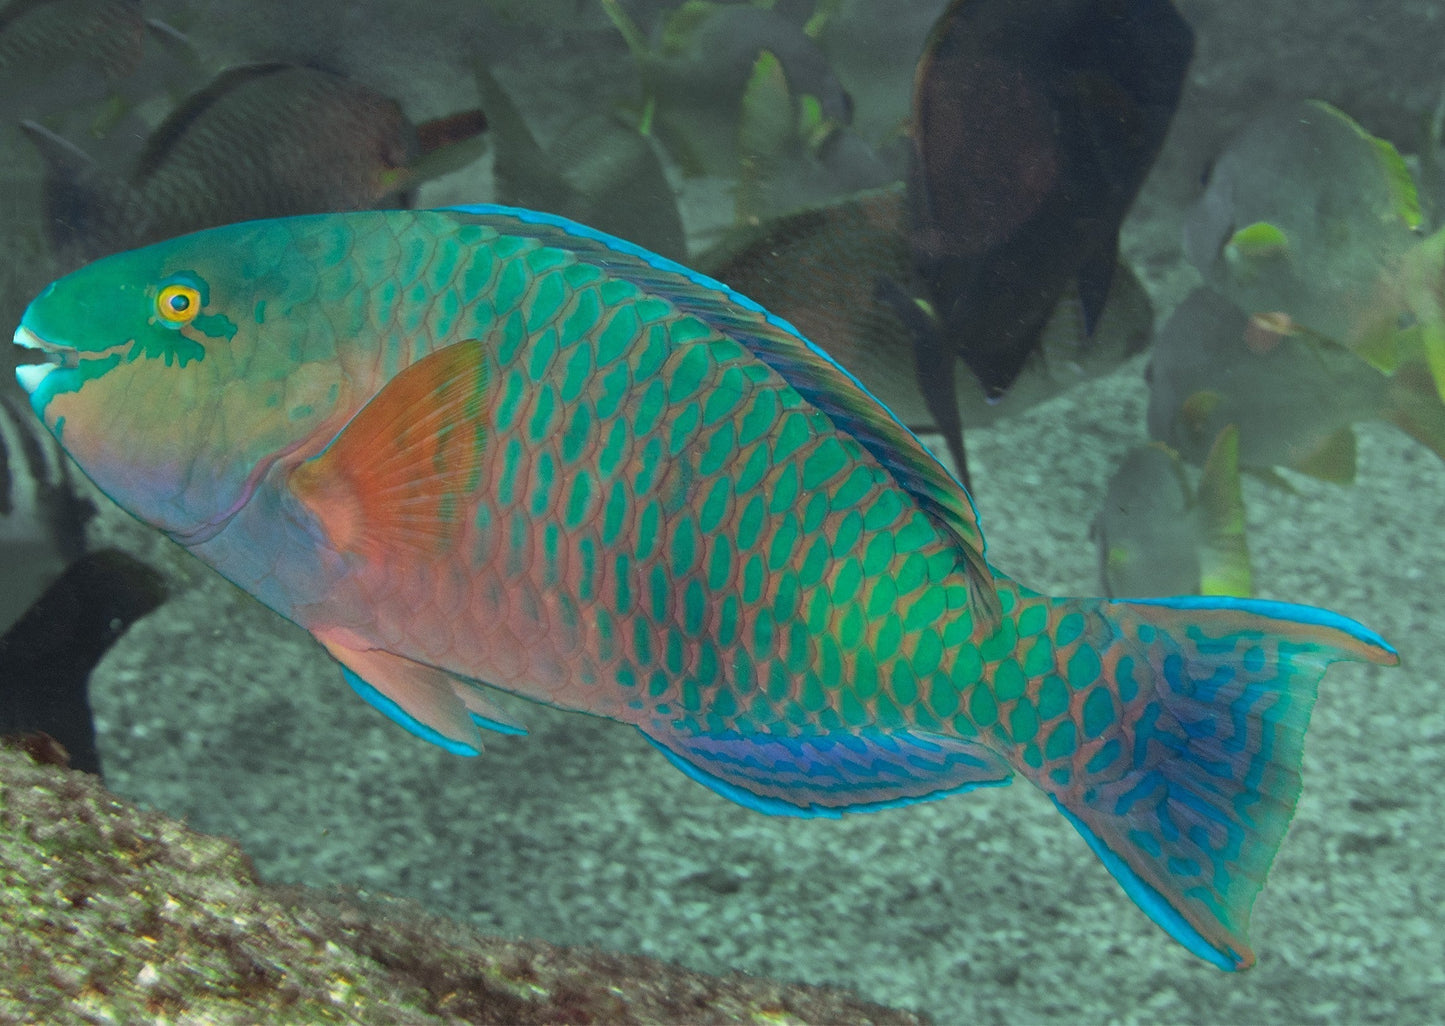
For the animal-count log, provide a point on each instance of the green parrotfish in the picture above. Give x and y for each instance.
(486, 449)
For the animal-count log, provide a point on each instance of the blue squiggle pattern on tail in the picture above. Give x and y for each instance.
(1187, 792)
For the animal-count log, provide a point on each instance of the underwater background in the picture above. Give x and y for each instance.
(986, 907)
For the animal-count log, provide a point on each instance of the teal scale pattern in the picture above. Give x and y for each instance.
(686, 528)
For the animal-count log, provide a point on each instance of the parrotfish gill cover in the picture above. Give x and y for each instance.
(489, 449)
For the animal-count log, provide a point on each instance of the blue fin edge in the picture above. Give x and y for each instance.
(703, 281)
(1148, 899)
(664, 264)
(396, 713)
(774, 807)
(498, 726)
(1312, 615)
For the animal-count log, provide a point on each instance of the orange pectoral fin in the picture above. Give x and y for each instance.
(393, 477)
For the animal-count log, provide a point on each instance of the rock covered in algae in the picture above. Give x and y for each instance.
(112, 914)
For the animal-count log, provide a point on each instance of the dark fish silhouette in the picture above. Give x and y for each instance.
(1035, 122)
(47, 655)
(262, 140)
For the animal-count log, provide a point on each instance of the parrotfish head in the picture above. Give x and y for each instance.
(179, 373)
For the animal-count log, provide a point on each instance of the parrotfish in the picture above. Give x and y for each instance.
(486, 450)
(261, 140)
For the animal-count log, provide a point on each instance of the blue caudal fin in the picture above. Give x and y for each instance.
(1188, 787)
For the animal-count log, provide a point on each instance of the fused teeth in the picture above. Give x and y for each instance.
(30, 375)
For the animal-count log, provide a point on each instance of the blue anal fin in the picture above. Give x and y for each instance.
(830, 774)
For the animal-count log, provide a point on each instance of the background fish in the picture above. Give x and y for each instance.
(1158, 534)
(695, 69)
(1303, 213)
(743, 92)
(1294, 396)
(98, 41)
(262, 140)
(598, 170)
(1431, 160)
(485, 449)
(1404, 325)
(791, 154)
(85, 65)
(852, 34)
(1034, 125)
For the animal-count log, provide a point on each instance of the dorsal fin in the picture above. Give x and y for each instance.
(180, 120)
(813, 373)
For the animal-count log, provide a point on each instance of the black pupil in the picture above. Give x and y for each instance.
(180, 303)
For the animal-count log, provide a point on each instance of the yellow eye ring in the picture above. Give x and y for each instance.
(178, 304)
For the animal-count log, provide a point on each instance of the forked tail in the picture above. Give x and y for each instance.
(1185, 723)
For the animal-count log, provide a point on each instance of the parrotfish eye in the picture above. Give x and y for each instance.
(178, 303)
